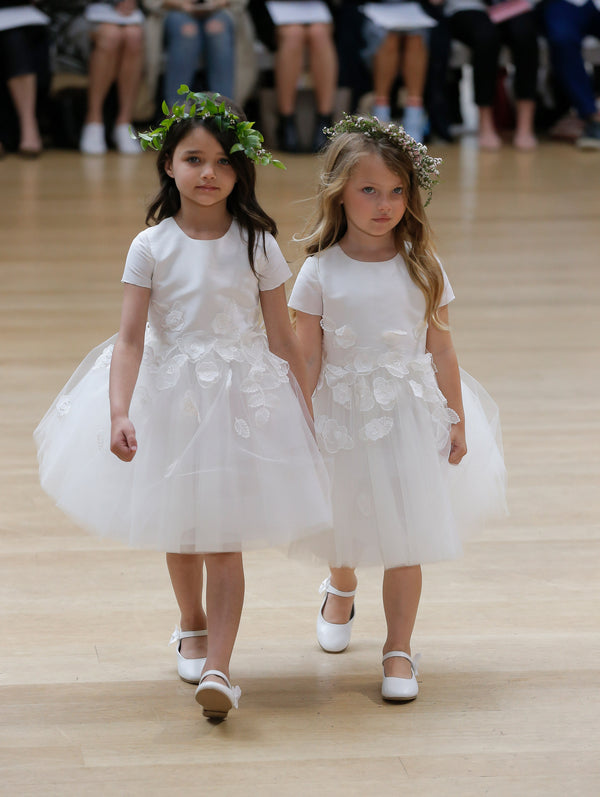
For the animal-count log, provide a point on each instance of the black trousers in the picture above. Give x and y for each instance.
(484, 38)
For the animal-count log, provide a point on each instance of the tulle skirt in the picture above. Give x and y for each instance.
(396, 499)
(226, 459)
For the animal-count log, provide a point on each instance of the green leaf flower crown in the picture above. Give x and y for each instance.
(207, 106)
(426, 168)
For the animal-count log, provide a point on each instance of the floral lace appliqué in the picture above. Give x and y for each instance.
(335, 437)
(376, 428)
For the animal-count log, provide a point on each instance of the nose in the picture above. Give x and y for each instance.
(384, 204)
(208, 172)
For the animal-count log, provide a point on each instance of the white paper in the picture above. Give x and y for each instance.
(21, 17)
(398, 16)
(298, 13)
(103, 12)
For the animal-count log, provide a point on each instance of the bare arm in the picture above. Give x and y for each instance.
(310, 335)
(124, 368)
(439, 343)
(282, 339)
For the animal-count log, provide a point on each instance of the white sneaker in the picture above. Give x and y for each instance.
(123, 141)
(92, 140)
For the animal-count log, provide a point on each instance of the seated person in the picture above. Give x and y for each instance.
(117, 56)
(292, 43)
(195, 31)
(23, 66)
(567, 22)
(471, 24)
(390, 53)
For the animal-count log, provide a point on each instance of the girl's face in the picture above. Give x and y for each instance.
(202, 171)
(373, 199)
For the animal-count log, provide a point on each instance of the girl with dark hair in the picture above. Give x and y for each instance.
(205, 408)
(394, 415)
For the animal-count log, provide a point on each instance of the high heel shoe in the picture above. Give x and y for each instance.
(287, 134)
(217, 699)
(400, 689)
(334, 637)
(189, 670)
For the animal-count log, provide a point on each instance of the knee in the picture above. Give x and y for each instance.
(319, 35)
(108, 38)
(218, 25)
(290, 36)
(133, 39)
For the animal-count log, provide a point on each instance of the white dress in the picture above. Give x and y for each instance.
(226, 459)
(383, 425)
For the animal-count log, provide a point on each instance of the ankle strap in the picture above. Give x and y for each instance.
(326, 587)
(178, 634)
(401, 655)
(217, 673)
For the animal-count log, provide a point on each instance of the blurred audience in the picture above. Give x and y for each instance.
(390, 53)
(196, 32)
(24, 68)
(292, 44)
(567, 22)
(117, 56)
(471, 24)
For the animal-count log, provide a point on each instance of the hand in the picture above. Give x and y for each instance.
(203, 9)
(123, 443)
(458, 443)
(126, 7)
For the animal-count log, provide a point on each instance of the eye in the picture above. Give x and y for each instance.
(193, 159)
(368, 189)
(399, 190)
(224, 162)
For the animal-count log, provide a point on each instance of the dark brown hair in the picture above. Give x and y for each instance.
(241, 202)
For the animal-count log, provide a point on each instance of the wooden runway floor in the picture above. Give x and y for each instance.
(90, 701)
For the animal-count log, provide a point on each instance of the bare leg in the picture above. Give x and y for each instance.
(323, 66)
(386, 64)
(186, 577)
(401, 595)
(414, 69)
(23, 91)
(488, 137)
(289, 60)
(337, 609)
(129, 73)
(524, 137)
(103, 67)
(224, 601)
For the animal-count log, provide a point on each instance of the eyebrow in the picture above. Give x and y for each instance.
(220, 154)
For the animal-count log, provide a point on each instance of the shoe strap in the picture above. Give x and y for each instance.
(236, 692)
(401, 655)
(178, 634)
(326, 587)
(216, 672)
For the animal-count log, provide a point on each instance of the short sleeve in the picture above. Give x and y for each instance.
(271, 268)
(307, 294)
(139, 265)
(448, 293)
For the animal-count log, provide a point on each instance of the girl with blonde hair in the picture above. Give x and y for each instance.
(394, 415)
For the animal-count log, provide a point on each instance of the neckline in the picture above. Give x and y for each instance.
(367, 262)
(202, 240)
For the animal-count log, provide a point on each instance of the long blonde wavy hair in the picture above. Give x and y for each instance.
(328, 224)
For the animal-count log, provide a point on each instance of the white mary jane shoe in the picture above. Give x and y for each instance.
(189, 670)
(217, 699)
(334, 637)
(400, 689)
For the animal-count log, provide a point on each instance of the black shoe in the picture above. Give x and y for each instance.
(319, 137)
(287, 134)
(590, 138)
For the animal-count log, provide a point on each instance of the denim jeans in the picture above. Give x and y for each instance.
(190, 41)
(566, 27)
